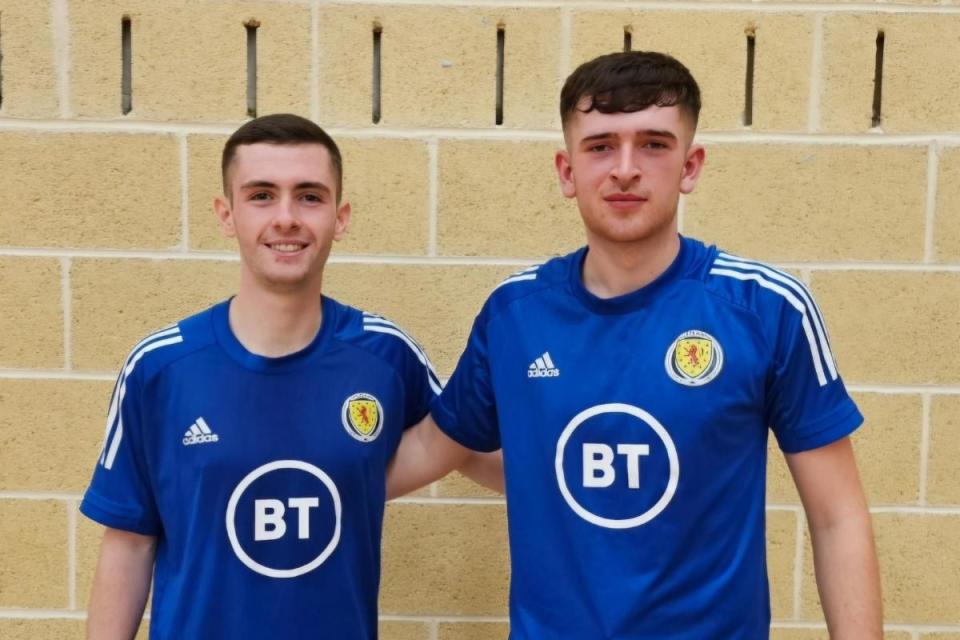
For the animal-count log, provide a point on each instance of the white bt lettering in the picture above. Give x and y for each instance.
(598, 469)
(268, 519)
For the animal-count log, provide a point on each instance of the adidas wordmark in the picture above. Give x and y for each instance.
(199, 433)
(543, 367)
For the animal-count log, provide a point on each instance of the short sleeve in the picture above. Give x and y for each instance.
(420, 382)
(120, 494)
(807, 404)
(466, 410)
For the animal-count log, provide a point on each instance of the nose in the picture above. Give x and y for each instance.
(626, 170)
(285, 214)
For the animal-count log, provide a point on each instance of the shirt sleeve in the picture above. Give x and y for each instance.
(466, 410)
(420, 382)
(120, 494)
(808, 406)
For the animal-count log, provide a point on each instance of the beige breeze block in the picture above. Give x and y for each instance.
(29, 72)
(920, 86)
(714, 48)
(189, 59)
(439, 65)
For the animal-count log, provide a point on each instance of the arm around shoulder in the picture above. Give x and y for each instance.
(845, 559)
(121, 585)
(425, 454)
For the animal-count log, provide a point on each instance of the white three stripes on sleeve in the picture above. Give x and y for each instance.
(382, 325)
(793, 292)
(530, 273)
(157, 340)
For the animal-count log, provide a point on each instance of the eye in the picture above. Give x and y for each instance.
(313, 198)
(260, 195)
(653, 144)
(599, 147)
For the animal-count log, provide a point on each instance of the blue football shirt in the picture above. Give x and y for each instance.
(634, 435)
(262, 478)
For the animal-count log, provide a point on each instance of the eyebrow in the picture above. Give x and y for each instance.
(653, 133)
(266, 184)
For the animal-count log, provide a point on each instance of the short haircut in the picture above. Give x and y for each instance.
(281, 128)
(630, 81)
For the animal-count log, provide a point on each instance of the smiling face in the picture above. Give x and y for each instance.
(283, 211)
(627, 171)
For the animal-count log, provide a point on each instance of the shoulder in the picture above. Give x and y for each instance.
(782, 303)
(172, 343)
(757, 286)
(530, 281)
(379, 337)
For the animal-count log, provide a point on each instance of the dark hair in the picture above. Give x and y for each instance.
(281, 128)
(630, 81)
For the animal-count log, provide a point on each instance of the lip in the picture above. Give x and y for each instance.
(624, 201)
(274, 247)
(624, 197)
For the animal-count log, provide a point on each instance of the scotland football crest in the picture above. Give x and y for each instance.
(695, 358)
(362, 416)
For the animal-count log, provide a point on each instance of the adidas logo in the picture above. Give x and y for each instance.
(199, 433)
(543, 367)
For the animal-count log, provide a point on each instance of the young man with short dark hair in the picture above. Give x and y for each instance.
(246, 446)
(631, 385)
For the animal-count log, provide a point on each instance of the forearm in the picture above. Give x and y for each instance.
(120, 586)
(486, 469)
(425, 454)
(848, 578)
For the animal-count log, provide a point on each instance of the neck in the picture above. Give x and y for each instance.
(616, 269)
(275, 324)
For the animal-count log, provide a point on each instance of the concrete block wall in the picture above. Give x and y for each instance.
(106, 233)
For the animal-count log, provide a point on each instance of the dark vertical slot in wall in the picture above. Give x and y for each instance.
(501, 47)
(748, 88)
(377, 37)
(878, 82)
(627, 39)
(1, 60)
(126, 75)
(251, 28)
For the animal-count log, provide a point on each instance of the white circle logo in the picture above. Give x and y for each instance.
(238, 493)
(650, 421)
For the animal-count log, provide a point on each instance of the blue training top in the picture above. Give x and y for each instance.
(634, 435)
(262, 478)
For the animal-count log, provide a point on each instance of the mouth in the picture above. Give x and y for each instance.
(286, 247)
(624, 197)
(624, 200)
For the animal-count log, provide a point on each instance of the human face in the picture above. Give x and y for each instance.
(627, 171)
(283, 211)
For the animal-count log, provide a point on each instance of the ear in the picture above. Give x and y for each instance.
(343, 220)
(696, 156)
(224, 212)
(565, 173)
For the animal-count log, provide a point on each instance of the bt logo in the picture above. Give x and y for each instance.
(598, 469)
(606, 448)
(268, 517)
(284, 537)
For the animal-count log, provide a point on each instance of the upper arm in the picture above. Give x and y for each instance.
(807, 404)
(466, 410)
(425, 454)
(120, 543)
(121, 584)
(120, 494)
(828, 482)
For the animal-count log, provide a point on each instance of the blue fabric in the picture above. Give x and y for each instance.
(237, 463)
(634, 433)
